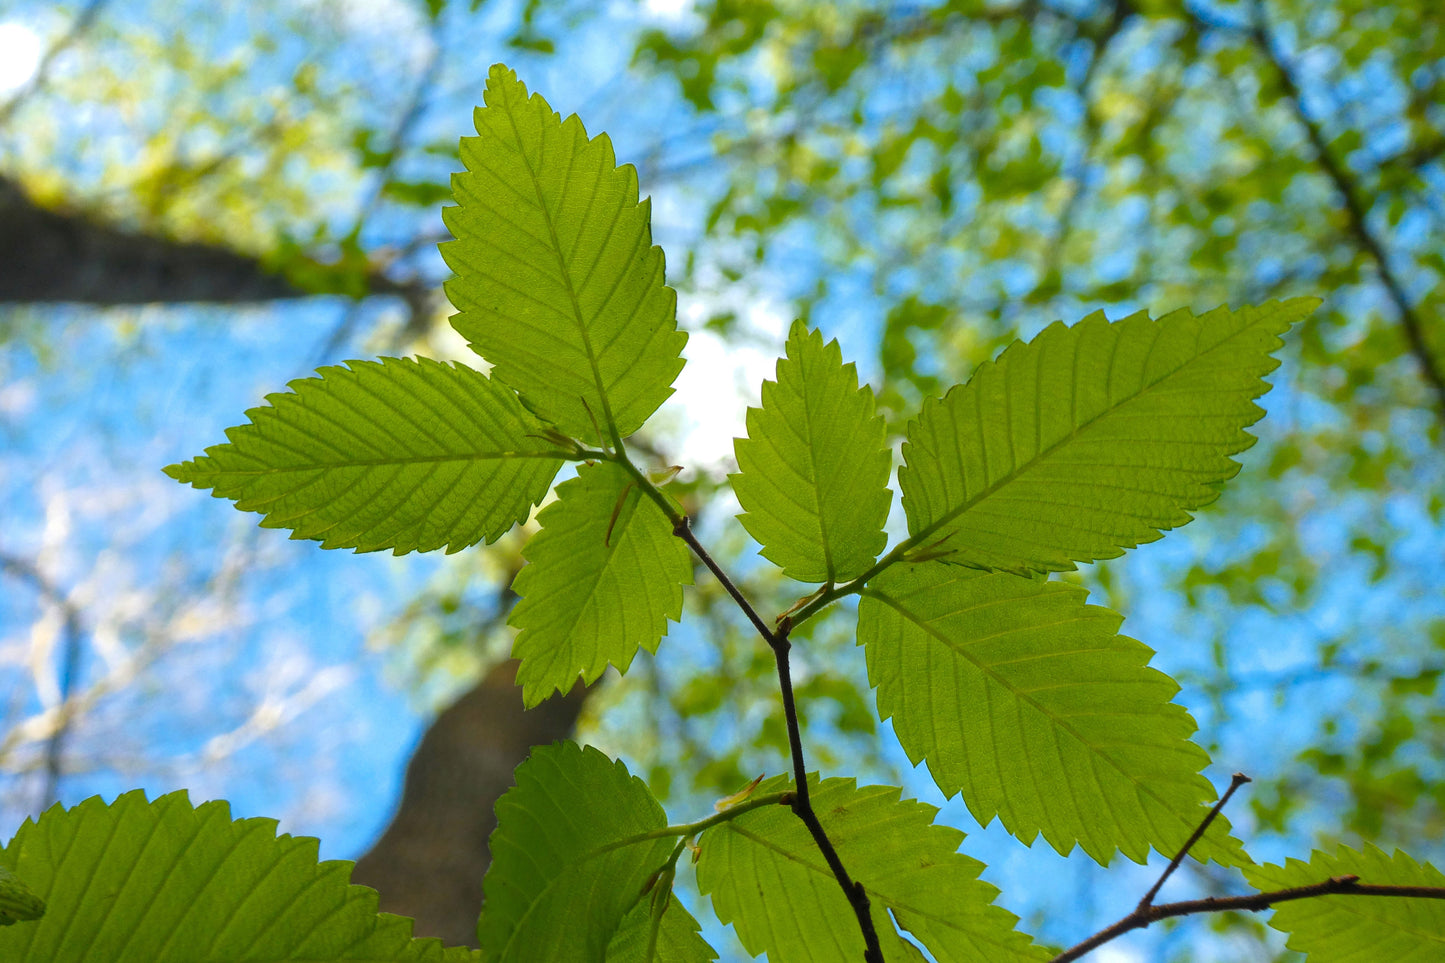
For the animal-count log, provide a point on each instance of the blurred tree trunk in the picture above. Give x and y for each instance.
(429, 863)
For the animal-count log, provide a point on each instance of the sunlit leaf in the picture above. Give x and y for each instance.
(768, 879)
(557, 281)
(602, 578)
(813, 476)
(1089, 439)
(563, 873)
(1023, 698)
(1357, 929)
(165, 882)
(399, 454)
(677, 941)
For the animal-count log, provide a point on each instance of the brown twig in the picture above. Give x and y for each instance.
(1147, 913)
(802, 803)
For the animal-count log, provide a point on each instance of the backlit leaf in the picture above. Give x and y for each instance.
(165, 882)
(602, 578)
(1089, 440)
(563, 873)
(813, 476)
(1358, 929)
(767, 878)
(399, 454)
(558, 283)
(1022, 697)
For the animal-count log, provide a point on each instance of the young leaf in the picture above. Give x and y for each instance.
(813, 476)
(1023, 697)
(566, 864)
(1092, 439)
(558, 283)
(604, 575)
(399, 454)
(766, 876)
(165, 882)
(18, 902)
(1348, 929)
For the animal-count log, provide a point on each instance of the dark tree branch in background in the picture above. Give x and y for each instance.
(1147, 912)
(50, 256)
(1346, 186)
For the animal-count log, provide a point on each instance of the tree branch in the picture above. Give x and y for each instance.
(1348, 189)
(1147, 913)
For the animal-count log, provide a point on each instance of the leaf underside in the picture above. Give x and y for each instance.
(603, 576)
(1358, 929)
(813, 471)
(1090, 439)
(561, 879)
(165, 882)
(396, 454)
(767, 878)
(678, 937)
(1023, 698)
(557, 281)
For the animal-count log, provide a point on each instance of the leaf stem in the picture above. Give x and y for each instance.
(778, 641)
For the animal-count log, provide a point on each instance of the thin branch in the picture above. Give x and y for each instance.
(1239, 780)
(778, 642)
(66, 712)
(78, 28)
(1146, 913)
(1254, 903)
(1345, 185)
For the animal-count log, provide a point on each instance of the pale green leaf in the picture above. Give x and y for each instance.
(1021, 696)
(1090, 439)
(566, 867)
(399, 454)
(165, 882)
(602, 578)
(1358, 929)
(678, 937)
(767, 878)
(813, 476)
(557, 281)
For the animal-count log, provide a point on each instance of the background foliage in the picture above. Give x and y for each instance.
(923, 182)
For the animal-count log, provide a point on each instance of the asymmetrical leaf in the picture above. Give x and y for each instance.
(557, 281)
(1090, 439)
(1023, 697)
(603, 576)
(566, 867)
(1358, 929)
(767, 878)
(165, 882)
(399, 454)
(813, 476)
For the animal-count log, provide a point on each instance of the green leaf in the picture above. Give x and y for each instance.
(557, 281)
(604, 575)
(767, 878)
(566, 864)
(1024, 698)
(399, 454)
(678, 939)
(813, 476)
(156, 882)
(1090, 439)
(18, 902)
(1355, 929)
